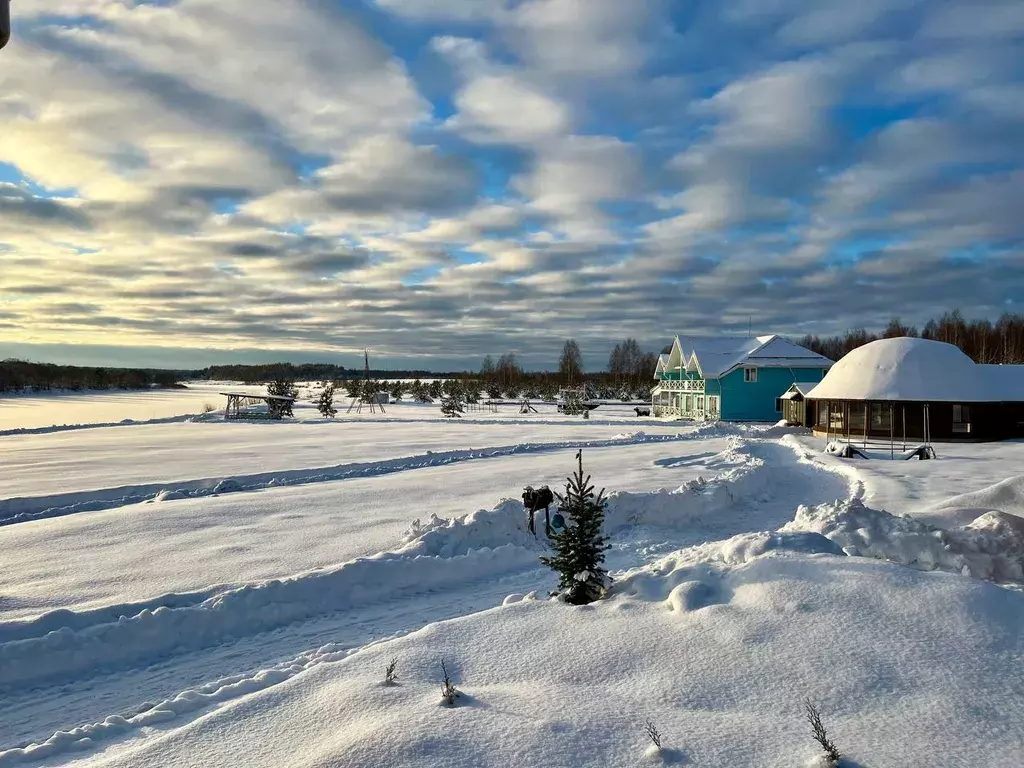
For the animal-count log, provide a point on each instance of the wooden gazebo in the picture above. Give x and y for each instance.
(248, 406)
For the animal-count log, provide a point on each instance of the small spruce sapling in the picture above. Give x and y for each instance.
(580, 547)
(325, 402)
(390, 676)
(451, 403)
(820, 734)
(448, 691)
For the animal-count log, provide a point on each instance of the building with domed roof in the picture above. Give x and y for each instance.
(917, 389)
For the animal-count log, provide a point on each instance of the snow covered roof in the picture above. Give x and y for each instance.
(800, 388)
(661, 366)
(715, 356)
(919, 370)
(1006, 381)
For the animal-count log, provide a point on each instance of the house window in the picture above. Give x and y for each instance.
(778, 405)
(689, 403)
(750, 375)
(713, 404)
(881, 417)
(857, 418)
(961, 418)
(822, 414)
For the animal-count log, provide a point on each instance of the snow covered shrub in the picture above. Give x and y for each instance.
(390, 678)
(325, 402)
(451, 406)
(493, 392)
(209, 408)
(580, 547)
(397, 390)
(283, 388)
(820, 735)
(434, 389)
(449, 693)
(572, 402)
(354, 388)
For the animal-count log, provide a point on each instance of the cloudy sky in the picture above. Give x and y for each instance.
(201, 180)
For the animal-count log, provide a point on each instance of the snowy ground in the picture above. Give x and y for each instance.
(209, 593)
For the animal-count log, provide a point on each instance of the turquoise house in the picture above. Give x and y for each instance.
(731, 379)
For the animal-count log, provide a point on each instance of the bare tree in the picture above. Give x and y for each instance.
(570, 364)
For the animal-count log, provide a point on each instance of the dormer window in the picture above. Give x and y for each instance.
(750, 375)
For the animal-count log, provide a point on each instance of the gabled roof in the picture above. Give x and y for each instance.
(661, 366)
(802, 388)
(716, 356)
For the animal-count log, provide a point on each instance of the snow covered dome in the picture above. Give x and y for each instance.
(906, 369)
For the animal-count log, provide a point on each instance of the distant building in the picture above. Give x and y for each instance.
(731, 378)
(794, 403)
(919, 390)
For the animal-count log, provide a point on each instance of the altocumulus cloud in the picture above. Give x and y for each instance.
(447, 178)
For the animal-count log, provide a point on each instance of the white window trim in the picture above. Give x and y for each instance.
(750, 375)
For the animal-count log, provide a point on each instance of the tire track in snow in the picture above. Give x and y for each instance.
(26, 509)
(495, 535)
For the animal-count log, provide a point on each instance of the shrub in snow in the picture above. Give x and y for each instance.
(325, 402)
(354, 388)
(572, 402)
(451, 406)
(434, 389)
(283, 388)
(397, 390)
(580, 547)
(652, 733)
(390, 678)
(449, 693)
(820, 734)
(493, 392)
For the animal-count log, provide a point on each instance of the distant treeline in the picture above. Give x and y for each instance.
(23, 376)
(267, 372)
(981, 340)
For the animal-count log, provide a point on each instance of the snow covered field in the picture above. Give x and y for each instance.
(198, 592)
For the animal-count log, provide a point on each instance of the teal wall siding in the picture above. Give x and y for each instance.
(755, 401)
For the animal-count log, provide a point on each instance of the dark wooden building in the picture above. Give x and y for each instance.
(916, 390)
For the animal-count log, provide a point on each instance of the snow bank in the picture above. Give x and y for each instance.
(722, 668)
(157, 631)
(1005, 496)
(991, 547)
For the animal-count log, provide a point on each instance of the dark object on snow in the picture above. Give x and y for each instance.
(642, 411)
(534, 500)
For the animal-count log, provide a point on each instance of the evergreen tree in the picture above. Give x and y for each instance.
(354, 388)
(435, 389)
(494, 392)
(283, 388)
(451, 405)
(573, 402)
(580, 547)
(397, 390)
(325, 402)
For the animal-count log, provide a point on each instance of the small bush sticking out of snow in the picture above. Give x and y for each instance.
(832, 755)
(653, 734)
(448, 691)
(390, 678)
